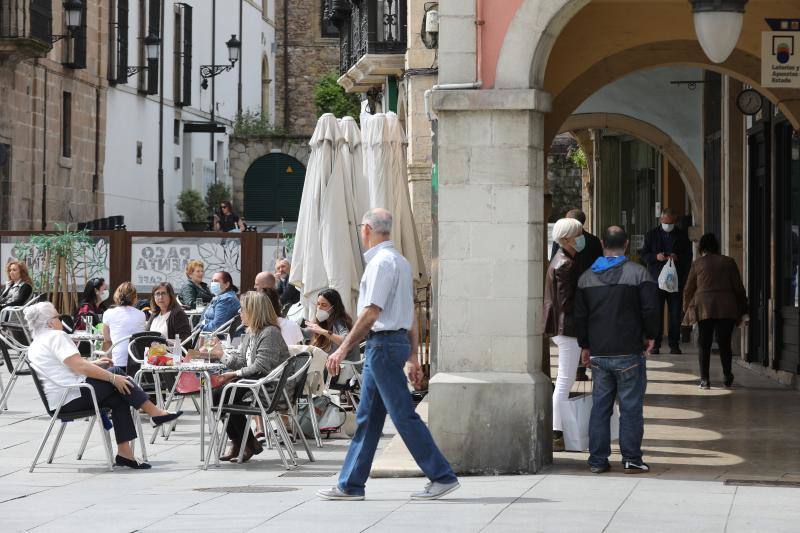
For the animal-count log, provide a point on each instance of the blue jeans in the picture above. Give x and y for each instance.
(384, 388)
(674, 302)
(623, 377)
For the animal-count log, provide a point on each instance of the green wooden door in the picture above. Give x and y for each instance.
(273, 186)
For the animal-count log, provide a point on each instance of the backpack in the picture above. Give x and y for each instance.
(330, 417)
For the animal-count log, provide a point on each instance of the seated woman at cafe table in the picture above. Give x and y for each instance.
(225, 305)
(167, 316)
(262, 350)
(19, 286)
(91, 303)
(195, 290)
(121, 321)
(56, 360)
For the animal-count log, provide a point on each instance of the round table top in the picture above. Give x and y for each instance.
(84, 336)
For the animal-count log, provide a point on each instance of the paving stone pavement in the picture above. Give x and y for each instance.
(177, 495)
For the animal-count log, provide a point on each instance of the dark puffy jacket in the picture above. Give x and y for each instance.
(616, 310)
(560, 283)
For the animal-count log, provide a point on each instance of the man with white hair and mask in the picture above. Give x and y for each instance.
(55, 359)
(386, 318)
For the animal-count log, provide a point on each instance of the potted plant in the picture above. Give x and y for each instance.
(193, 210)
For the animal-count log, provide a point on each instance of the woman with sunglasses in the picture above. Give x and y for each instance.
(227, 220)
(92, 303)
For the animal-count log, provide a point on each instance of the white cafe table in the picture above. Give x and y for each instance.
(84, 336)
(203, 370)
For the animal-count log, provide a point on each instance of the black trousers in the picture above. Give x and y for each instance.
(723, 327)
(673, 302)
(236, 424)
(120, 405)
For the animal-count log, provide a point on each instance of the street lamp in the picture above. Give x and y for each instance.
(152, 45)
(209, 71)
(718, 24)
(73, 12)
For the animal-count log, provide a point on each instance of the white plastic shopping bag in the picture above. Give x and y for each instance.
(575, 414)
(668, 279)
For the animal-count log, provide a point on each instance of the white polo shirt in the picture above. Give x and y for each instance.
(388, 283)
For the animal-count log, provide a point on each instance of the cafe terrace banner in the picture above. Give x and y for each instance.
(157, 259)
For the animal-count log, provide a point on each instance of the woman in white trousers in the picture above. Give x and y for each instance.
(559, 294)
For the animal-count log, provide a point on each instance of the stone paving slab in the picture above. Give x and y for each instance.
(178, 496)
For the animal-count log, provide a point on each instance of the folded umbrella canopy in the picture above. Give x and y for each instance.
(323, 253)
(384, 146)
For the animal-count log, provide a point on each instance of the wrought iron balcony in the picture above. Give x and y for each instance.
(369, 32)
(25, 28)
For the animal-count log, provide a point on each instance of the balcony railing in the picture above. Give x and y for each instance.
(25, 27)
(367, 27)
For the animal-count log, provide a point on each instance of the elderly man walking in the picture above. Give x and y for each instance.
(616, 321)
(386, 318)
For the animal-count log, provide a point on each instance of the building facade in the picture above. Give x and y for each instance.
(169, 123)
(307, 50)
(514, 74)
(52, 128)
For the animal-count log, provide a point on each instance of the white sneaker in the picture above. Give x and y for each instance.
(335, 493)
(435, 490)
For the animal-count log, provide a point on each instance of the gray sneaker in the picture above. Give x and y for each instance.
(335, 493)
(435, 490)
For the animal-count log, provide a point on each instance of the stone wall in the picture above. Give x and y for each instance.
(31, 123)
(564, 180)
(310, 56)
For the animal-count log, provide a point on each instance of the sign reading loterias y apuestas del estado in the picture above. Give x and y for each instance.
(780, 54)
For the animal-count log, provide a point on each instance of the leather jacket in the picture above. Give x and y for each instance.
(15, 294)
(560, 284)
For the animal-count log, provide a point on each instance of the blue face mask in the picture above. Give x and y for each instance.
(215, 288)
(580, 243)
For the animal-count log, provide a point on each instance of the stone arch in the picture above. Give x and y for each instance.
(653, 136)
(539, 24)
(741, 65)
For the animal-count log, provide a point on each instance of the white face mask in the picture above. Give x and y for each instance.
(667, 227)
(322, 315)
(104, 294)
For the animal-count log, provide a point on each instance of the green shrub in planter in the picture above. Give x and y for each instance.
(193, 210)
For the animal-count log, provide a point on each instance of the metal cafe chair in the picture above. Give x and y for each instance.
(14, 338)
(314, 385)
(293, 392)
(93, 415)
(274, 428)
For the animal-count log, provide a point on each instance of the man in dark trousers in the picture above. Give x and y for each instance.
(589, 249)
(615, 320)
(662, 243)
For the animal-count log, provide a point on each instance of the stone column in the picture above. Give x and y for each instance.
(490, 402)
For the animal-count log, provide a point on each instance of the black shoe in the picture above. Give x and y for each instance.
(131, 463)
(655, 351)
(675, 350)
(600, 469)
(636, 468)
(728, 381)
(705, 384)
(169, 417)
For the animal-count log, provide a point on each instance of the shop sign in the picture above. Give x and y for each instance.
(780, 59)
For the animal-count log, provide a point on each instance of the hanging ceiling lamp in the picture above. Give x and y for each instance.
(718, 24)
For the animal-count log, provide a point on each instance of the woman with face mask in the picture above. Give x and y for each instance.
(92, 303)
(225, 304)
(331, 324)
(557, 315)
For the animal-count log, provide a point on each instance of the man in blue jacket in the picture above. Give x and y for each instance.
(616, 320)
(661, 244)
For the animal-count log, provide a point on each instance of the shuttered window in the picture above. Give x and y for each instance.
(273, 186)
(118, 41)
(154, 28)
(182, 55)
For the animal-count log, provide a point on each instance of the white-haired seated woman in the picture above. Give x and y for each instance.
(56, 360)
(560, 285)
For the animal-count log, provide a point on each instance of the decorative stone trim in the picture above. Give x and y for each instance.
(496, 99)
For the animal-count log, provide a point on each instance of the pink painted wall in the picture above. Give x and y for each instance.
(496, 16)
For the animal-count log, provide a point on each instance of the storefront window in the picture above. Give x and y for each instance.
(792, 228)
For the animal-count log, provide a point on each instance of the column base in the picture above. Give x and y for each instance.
(492, 423)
